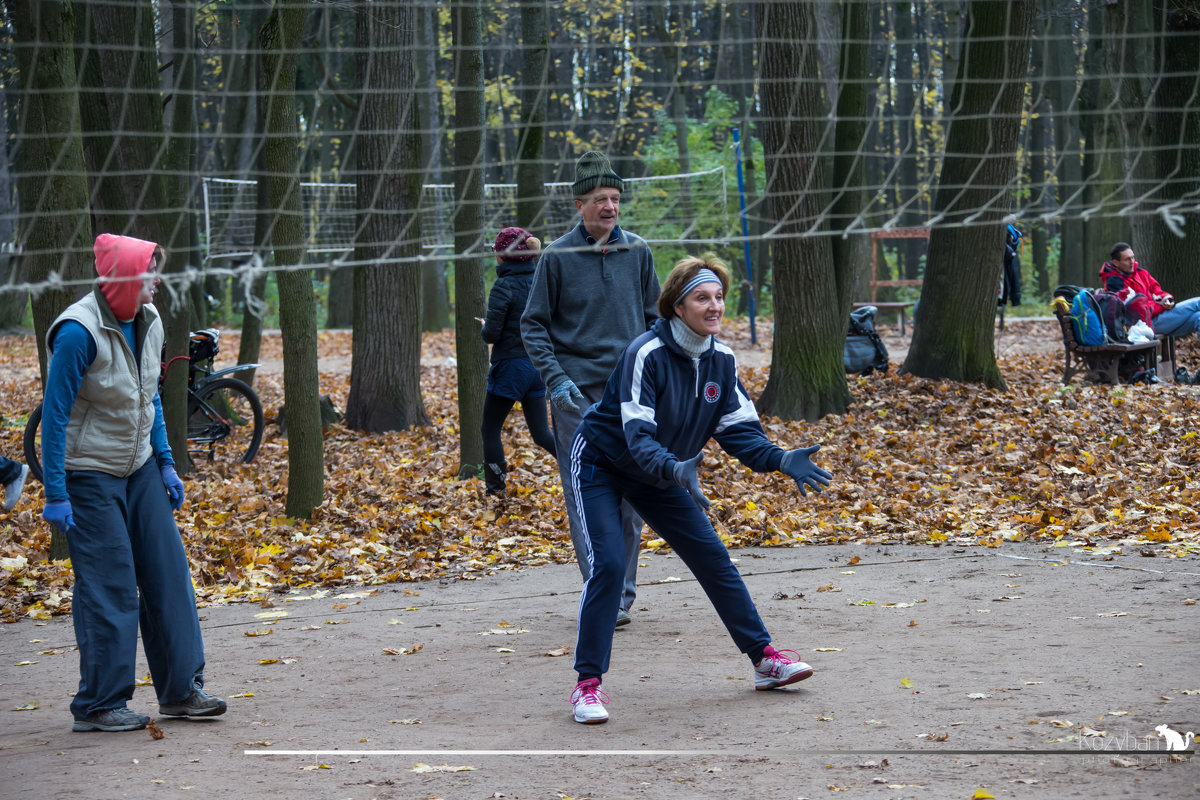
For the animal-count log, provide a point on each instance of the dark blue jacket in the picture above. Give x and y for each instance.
(506, 303)
(660, 406)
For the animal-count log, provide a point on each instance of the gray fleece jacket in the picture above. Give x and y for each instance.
(587, 302)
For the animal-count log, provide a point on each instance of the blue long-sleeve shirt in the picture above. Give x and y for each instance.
(74, 352)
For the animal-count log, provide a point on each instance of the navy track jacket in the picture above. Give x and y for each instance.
(660, 406)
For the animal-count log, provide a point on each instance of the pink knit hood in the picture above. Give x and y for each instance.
(119, 260)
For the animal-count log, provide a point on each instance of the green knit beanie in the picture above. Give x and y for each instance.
(593, 170)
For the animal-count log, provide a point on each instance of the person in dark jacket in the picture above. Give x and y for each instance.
(111, 487)
(512, 376)
(1010, 282)
(674, 387)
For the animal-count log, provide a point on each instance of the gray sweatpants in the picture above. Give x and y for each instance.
(565, 423)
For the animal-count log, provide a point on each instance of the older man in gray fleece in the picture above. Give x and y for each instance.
(594, 290)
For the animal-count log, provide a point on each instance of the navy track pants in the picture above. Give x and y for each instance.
(130, 568)
(674, 516)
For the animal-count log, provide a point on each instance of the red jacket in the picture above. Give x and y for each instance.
(1147, 306)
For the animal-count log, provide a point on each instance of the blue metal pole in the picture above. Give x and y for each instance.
(737, 145)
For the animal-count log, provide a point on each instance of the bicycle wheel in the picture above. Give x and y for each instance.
(33, 442)
(225, 421)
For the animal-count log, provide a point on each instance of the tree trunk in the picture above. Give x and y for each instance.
(535, 90)
(239, 66)
(249, 288)
(435, 293)
(908, 251)
(55, 234)
(1100, 116)
(107, 199)
(468, 228)
(339, 312)
(807, 379)
(183, 246)
(129, 64)
(1060, 86)
(385, 376)
(1176, 133)
(851, 254)
(1041, 199)
(1132, 68)
(953, 328)
(280, 41)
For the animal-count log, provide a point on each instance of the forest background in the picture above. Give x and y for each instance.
(1075, 120)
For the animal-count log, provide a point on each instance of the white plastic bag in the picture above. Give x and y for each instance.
(1140, 332)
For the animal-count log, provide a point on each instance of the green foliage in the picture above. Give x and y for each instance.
(710, 145)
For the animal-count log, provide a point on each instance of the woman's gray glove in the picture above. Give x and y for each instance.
(684, 473)
(797, 465)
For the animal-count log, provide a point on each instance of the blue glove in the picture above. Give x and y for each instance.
(684, 473)
(565, 396)
(173, 484)
(797, 465)
(58, 514)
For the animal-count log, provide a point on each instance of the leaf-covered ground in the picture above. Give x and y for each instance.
(1089, 468)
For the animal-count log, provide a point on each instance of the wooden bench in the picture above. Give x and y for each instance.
(898, 306)
(902, 308)
(1099, 363)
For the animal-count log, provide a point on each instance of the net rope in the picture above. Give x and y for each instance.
(609, 87)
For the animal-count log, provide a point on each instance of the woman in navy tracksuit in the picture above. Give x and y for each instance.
(674, 387)
(512, 376)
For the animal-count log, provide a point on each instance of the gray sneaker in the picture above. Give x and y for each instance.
(198, 704)
(112, 719)
(623, 618)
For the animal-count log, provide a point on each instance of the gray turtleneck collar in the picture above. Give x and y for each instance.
(690, 342)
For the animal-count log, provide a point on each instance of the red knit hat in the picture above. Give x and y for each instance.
(516, 244)
(119, 261)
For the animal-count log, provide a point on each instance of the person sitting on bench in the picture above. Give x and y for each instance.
(1155, 306)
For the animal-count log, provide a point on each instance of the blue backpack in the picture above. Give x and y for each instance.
(1085, 320)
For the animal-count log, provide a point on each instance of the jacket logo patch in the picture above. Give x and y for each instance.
(712, 392)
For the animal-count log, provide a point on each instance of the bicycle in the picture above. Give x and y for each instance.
(224, 414)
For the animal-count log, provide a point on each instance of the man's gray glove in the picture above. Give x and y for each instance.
(684, 473)
(797, 465)
(565, 395)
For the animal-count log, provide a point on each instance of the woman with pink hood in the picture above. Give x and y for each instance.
(111, 487)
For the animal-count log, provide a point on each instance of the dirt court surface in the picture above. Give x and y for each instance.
(1021, 672)
(1028, 671)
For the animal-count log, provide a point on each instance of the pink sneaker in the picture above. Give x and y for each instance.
(777, 669)
(587, 701)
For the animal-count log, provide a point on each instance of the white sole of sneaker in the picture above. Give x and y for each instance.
(208, 712)
(589, 721)
(799, 676)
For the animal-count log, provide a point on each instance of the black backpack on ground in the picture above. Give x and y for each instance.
(864, 351)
